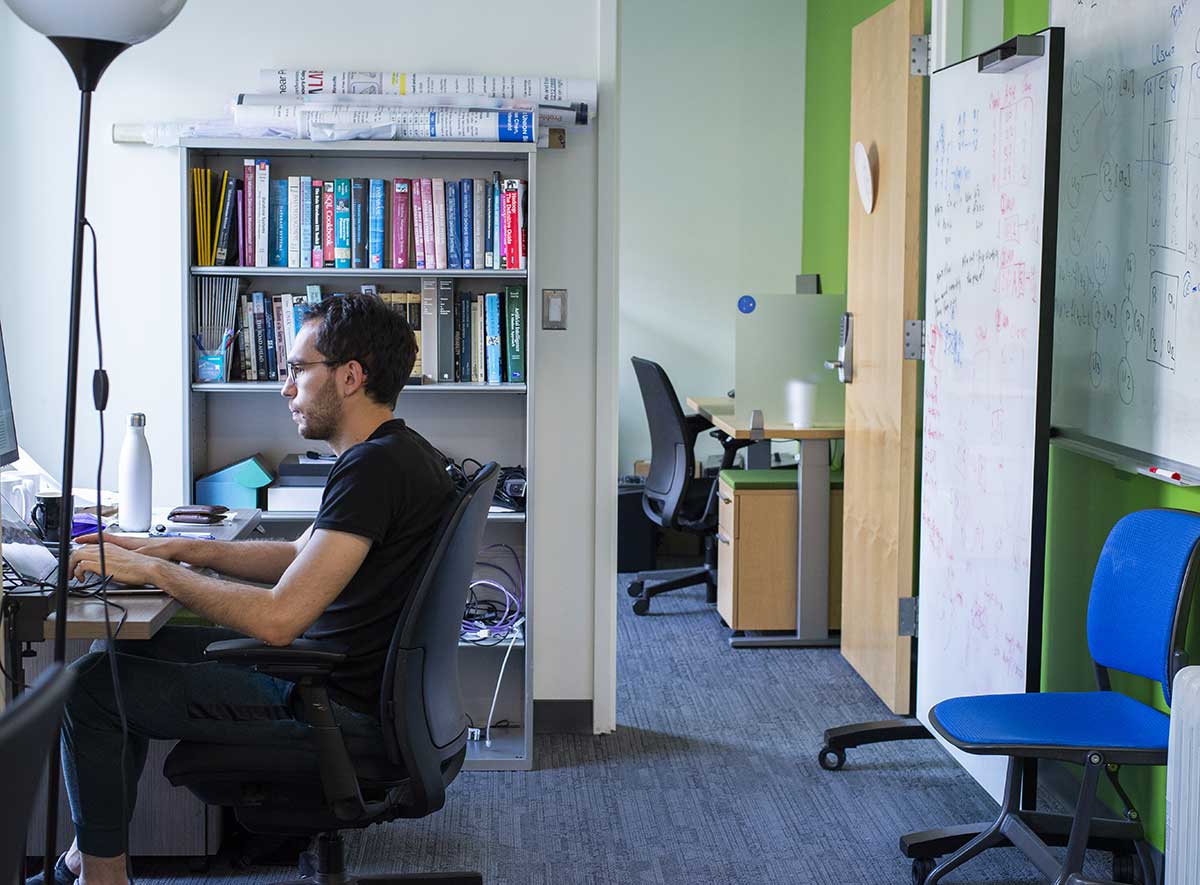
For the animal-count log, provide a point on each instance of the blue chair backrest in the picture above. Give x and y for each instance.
(1135, 617)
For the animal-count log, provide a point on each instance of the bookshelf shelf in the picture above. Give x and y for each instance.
(355, 272)
(275, 386)
(370, 150)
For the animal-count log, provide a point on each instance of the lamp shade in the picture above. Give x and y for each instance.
(118, 21)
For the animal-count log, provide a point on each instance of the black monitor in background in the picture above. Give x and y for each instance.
(8, 426)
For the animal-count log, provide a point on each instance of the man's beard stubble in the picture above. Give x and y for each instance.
(322, 417)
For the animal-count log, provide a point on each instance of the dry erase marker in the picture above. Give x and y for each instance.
(1174, 477)
(1161, 473)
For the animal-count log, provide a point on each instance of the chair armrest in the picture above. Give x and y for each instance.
(304, 657)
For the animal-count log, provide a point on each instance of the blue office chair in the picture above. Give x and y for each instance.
(1137, 619)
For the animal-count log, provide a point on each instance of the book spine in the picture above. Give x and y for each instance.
(413, 301)
(249, 371)
(401, 221)
(492, 342)
(262, 213)
(341, 222)
(466, 213)
(429, 225)
(439, 222)
(489, 244)
(477, 223)
(429, 337)
(509, 257)
(497, 223)
(479, 370)
(327, 225)
(269, 333)
(280, 347)
(316, 197)
(306, 231)
(288, 311)
(453, 232)
(249, 227)
(375, 219)
(418, 215)
(261, 367)
(358, 222)
(522, 229)
(461, 361)
(225, 227)
(514, 349)
(279, 222)
(445, 329)
(240, 239)
(293, 221)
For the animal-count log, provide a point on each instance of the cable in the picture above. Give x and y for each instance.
(487, 740)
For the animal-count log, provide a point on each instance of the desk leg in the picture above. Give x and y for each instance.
(812, 557)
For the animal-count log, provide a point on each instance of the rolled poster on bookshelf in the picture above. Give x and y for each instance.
(337, 122)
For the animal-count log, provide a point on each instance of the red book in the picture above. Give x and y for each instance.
(317, 196)
(401, 200)
(512, 225)
(246, 259)
(327, 223)
(418, 216)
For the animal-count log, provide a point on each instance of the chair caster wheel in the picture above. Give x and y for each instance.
(831, 759)
(1127, 868)
(635, 588)
(641, 606)
(921, 868)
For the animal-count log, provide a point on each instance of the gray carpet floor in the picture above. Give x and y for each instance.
(711, 777)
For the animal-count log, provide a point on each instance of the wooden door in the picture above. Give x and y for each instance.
(882, 290)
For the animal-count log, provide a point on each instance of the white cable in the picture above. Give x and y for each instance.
(487, 742)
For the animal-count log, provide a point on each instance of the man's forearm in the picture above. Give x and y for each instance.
(263, 561)
(244, 607)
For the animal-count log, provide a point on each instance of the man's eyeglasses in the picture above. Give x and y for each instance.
(295, 370)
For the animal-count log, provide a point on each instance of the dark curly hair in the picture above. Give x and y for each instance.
(363, 328)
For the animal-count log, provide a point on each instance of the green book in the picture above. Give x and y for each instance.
(514, 334)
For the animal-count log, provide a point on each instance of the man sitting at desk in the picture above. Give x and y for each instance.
(344, 579)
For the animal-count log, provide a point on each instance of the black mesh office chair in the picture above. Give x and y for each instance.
(27, 731)
(673, 497)
(323, 788)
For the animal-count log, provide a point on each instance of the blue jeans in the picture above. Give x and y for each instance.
(170, 692)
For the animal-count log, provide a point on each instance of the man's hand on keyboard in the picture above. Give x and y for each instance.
(124, 565)
(169, 549)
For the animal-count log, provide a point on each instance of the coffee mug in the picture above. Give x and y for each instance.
(47, 515)
(19, 492)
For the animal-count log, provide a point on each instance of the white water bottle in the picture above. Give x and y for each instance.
(134, 477)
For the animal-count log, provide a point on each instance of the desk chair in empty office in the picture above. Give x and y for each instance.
(1136, 621)
(27, 730)
(326, 787)
(673, 498)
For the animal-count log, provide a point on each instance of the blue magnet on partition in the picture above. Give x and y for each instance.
(746, 304)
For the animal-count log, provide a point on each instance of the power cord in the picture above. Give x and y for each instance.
(487, 741)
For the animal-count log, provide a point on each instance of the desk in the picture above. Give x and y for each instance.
(812, 548)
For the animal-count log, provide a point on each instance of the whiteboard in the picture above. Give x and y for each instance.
(1127, 322)
(988, 306)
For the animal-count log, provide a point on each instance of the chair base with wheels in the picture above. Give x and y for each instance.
(706, 576)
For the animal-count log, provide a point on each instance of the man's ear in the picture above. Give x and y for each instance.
(353, 378)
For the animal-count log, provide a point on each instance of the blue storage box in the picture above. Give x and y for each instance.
(240, 485)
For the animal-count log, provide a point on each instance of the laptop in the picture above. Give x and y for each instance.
(24, 551)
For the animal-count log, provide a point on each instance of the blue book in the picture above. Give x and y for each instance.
(306, 221)
(341, 222)
(269, 323)
(358, 222)
(278, 213)
(491, 336)
(453, 231)
(375, 204)
(489, 253)
(467, 217)
(497, 230)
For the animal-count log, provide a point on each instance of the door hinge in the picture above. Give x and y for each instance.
(908, 616)
(920, 55)
(914, 339)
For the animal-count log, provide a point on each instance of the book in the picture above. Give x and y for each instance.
(341, 222)
(249, 226)
(376, 203)
(429, 226)
(293, 221)
(413, 301)
(269, 333)
(241, 225)
(439, 223)
(445, 329)
(514, 341)
(478, 369)
(497, 223)
(316, 198)
(262, 367)
(280, 346)
(429, 336)
(514, 220)
(462, 337)
(401, 221)
(306, 230)
(453, 229)
(489, 243)
(328, 226)
(478, 209)
(288, 324)
(418, 217)
(225, 228)
(249, 360)
(278, 222)
(466, 218)
(262, 213)
(492, 343)
(358, 222)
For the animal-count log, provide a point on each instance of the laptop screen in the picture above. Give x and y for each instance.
(21, 548)
(8, 427)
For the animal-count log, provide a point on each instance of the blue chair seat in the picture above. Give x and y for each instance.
(1097, 720)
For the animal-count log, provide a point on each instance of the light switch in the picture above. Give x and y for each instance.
(554, 308)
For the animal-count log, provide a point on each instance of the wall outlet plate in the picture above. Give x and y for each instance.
(554, 308)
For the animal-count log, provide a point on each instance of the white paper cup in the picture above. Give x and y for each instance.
(801, 402)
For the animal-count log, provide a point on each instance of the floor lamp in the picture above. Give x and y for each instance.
(89, 35)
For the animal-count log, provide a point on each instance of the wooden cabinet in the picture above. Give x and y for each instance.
(756, 555)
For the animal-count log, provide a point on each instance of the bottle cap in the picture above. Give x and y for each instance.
(137, 419)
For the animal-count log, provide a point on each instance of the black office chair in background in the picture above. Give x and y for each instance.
(673, 497)
(27, 730)
(327, 787)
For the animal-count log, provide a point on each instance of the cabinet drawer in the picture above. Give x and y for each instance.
(726, 511)
(726, 578)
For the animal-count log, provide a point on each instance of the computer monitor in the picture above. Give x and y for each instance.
(8, 426)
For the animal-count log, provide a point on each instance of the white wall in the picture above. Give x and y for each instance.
(211, 51)
(711, 184)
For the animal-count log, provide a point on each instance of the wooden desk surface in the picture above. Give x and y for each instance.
(146, 614)
(722, 412)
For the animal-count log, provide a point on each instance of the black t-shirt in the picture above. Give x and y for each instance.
(393, 489)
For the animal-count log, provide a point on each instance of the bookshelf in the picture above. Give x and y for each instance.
(224, 422)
